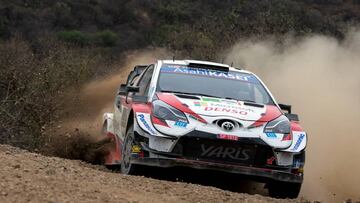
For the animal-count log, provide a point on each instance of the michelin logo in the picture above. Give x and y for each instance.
(147, 126)
(298, 142)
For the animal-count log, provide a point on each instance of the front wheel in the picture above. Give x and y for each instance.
(126, 166)
(280, 189)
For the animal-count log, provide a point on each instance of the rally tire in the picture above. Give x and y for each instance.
(278, 189)
(126, 166)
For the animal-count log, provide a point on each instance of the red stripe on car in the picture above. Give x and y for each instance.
(173, 101)
(271, 113)
(295, 126)
(158, 121)
(142, 108)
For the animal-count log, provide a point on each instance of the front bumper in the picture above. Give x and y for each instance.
(260, 174)
(178, 156)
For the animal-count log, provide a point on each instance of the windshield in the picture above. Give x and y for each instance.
(209, 82)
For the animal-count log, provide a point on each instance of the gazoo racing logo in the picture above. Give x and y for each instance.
(237, 153)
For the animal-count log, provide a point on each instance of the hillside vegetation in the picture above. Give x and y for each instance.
(47, 47)
(199, 28)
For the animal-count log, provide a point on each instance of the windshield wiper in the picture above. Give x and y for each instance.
(247, 102)
(189, 93)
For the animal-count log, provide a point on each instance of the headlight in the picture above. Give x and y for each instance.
(164, 111)
(279, 125)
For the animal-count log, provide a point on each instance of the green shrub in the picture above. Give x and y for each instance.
(75, 37)
(105, 38)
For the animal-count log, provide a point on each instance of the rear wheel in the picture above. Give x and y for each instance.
(280, 189)
(126, 166)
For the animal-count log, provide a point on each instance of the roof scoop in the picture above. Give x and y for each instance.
(219, 67)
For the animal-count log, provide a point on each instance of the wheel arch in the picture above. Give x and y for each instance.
(130, 120)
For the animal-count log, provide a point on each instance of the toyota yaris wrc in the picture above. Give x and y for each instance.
(206, 115)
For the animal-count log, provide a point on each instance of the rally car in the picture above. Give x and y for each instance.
(206, 115)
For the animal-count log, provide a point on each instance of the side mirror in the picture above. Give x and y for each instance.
(125, 89)
(136, 72)
(133, 88)
(122, 89)
(292, 117)
(289, 115)
(285, 107)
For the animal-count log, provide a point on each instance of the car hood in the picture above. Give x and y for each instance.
(213, 107)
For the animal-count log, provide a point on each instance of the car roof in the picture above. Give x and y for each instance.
(187, 62)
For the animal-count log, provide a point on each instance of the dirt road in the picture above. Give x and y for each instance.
(29, 177)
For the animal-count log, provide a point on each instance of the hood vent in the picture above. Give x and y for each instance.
(187, 96)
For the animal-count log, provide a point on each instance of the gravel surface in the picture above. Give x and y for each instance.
(30, 177)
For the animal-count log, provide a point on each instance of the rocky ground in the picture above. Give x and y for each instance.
(30, 177)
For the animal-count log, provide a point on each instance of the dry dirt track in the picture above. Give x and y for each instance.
(29, 177)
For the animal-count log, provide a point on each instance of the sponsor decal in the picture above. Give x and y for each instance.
(222, 105)
(237, 153)
(136, 149)
(298, 142)
(147, 126)
(206, 99)
(229, 110)
(209, 73)
(228, 137)
(181, 124)
(271, 135)
(196, 103)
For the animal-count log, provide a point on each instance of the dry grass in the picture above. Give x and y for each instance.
(34, 79)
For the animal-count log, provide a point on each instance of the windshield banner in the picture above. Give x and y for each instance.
(209, 73)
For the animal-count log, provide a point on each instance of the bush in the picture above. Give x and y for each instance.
(194, 44)
(75, 37)
(106, 38)
(34, 83)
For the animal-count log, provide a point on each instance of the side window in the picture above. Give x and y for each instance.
(133, 81)
(259, 95)
(144, 81)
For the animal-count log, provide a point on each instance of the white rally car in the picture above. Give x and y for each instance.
(206, 115)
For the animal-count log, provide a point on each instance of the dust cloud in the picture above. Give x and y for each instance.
(320, 77)
(77, 135)
(98, 96)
